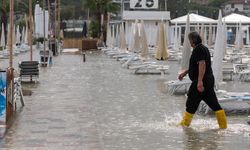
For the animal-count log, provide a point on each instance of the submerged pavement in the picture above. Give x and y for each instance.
(98, 105)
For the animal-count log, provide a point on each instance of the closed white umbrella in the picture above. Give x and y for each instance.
(224, 38)
(38, 20)
(186, 52)
(113, 35)
(26, 31)
(131, 36)
(2, 37)
(236, 41)
(23, 34)
(144, 42)
(210, 36)
(157, 36)
(218, 52)
(14, 37)
(18, 35)
(205, 36)
(241, 43)
(172, 36)
(123, 46)
(202, 33)
(179, 36)
(162, 48)
(214, 34)
(239, 38)
(8, 37)
(136, 47)
(176, 42)
(248, 41)
(108, 38)
(117, 34)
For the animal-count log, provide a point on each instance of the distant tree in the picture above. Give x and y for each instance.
(99, 8)
(216, 3)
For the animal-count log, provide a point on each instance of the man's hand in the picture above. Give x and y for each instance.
(182, 75)
(200, 86)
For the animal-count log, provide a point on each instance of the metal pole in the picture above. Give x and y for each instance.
(55, 25)
(30, 31)
(59, 21)
(59, 12)
(44, 45)
(122, 9)
(165, 5)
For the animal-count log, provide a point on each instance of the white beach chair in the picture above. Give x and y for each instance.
(175, 85)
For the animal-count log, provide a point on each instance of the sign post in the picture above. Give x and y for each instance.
(144, 4)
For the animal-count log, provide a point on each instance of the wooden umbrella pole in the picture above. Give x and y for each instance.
(30, 29)
(55, 20)
(10, 90)
(59, 14)
(11, 34)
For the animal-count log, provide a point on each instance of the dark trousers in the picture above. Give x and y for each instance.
(208, 96)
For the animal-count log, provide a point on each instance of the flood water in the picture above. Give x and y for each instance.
(98, 105)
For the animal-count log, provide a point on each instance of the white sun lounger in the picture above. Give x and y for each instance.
(174, 85)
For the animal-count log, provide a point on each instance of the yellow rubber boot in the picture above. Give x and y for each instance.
(187, 118)
(221, 119)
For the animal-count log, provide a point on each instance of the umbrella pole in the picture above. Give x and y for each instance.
(30, 29)
(10, 70)
(44, 45)
(30, 33)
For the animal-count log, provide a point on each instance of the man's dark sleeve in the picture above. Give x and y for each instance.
(200, 55)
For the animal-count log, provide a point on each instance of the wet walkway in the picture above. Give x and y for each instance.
(98, 105)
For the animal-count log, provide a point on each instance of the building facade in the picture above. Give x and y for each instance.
(237, 6)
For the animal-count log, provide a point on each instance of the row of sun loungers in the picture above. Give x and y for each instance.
(133, 62)
(4, 54)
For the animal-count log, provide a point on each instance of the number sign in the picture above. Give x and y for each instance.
(144, 4)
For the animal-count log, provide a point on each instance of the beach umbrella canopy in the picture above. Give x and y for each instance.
(162, 48)
(186, 51)
(218, 52)
(194, 18)
(2, 37)
(144, 42)
(236, 18)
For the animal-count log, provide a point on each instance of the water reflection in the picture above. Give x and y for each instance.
(194, 140)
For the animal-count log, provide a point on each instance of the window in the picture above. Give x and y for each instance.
(246, 7)
(232, 5)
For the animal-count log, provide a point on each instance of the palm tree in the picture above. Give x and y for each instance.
(99, 8)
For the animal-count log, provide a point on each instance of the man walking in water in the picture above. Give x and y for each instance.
(202, 87)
